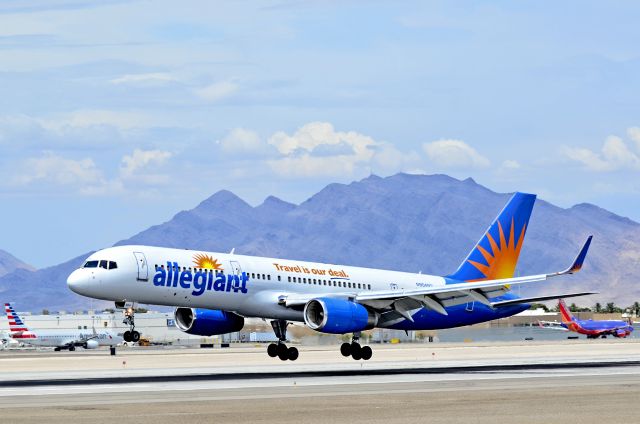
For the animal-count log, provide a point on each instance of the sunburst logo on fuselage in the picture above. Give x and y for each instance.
(206, 262)
(502, 260)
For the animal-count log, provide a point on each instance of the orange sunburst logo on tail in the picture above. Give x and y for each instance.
(501, 261)
(206, 262)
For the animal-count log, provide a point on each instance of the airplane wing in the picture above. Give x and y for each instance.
(539, 299)
(437, 298)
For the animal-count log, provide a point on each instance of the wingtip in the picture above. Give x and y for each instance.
(577, 264)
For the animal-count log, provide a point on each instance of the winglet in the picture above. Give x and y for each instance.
(577, 263)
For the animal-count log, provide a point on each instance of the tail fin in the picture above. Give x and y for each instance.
(15, 323)
(496, 254)
(565, 313)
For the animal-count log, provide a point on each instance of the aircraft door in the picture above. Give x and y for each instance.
(143, 268)
(235, 267)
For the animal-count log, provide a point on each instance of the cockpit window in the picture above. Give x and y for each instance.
(103, 264)
(113, 265)
(91, 264)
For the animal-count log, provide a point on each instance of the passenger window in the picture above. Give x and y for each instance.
(269, 277)
(103, 264)
(304, 280)
(294, 280)
(289, 279)
(278, 278)
(258, 276)
(359, 285)
(113, 265)
(263, 277)
(369, 286)
(91, 264)
(253, 275)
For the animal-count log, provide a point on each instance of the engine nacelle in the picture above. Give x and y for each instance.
(91, 344)
(207, 322)
(338, 316)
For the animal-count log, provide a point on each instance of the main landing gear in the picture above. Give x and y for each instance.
(130, 335)
(280, 349)
(354, 349)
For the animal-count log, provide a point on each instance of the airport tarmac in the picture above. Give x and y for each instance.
(572, 381)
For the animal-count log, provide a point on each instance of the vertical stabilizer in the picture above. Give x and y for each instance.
(17, 328)
(565, 313)
(496, 254)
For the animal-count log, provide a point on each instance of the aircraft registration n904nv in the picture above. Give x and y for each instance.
(214, 292)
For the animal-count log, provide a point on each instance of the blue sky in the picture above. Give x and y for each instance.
(115, 115)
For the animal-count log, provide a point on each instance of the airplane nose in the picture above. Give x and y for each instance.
(76, 280)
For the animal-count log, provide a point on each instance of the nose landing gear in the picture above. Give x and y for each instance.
(354, 349)
(130, 335)
(280, 349)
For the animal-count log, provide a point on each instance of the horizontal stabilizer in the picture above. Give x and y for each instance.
(538, 299)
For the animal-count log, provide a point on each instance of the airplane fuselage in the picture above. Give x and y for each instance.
(256, 286)
(49, 338)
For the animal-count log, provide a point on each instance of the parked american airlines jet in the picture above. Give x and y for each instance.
(63, 339)
(213, 292)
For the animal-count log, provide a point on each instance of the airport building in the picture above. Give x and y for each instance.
(160, 328)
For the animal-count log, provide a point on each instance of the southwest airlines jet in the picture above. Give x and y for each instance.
(593, 328)
(66, 339)
(214, 292)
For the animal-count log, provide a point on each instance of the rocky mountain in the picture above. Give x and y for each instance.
(9, 263)
(404, 222)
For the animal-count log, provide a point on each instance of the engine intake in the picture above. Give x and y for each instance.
(338, 316)
(207, 322)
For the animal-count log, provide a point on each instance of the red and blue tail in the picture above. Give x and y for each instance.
(496, 254)
(16, 325)
(565, 313)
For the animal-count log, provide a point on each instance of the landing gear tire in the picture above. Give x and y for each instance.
(366, 353)
(293, 353)
(56, 349)
(72, 348)
(127, 336)
(135, 336)
(283, 354)
(345, 349)
(356, 351)
(280, 349)
(283, 351)
(272, 350)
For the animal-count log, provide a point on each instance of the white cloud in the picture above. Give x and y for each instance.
(634, 134)
(614, 155)
(454, 154)
(315, 134)
(123, 120)
(140, 163)
(316, 149)
(510, 164)
(241, 140)
(51, 168)
(217, 91)
(149, 79)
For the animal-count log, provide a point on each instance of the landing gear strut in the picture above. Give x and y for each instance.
(280, 349)
(354, 349)
(130, 335)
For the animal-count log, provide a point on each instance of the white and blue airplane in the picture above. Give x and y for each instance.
(214, 292)
(58, 339)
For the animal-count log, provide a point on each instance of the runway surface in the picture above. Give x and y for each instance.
(483, 383)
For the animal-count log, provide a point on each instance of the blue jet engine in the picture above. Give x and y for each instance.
(207, 322)
(338, 316)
